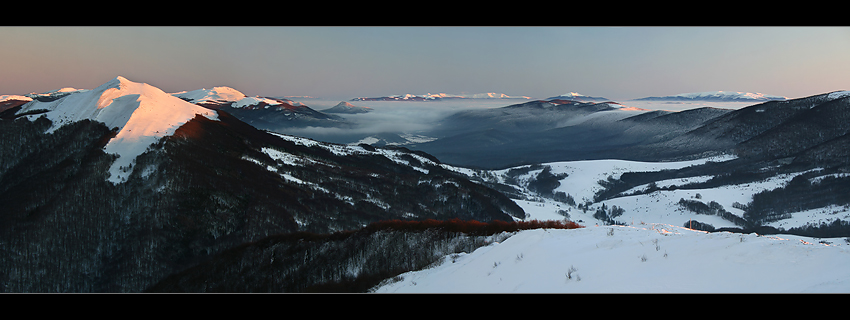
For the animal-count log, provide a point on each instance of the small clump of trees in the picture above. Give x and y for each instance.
(545, 182)
(608, 215)
(712, 208)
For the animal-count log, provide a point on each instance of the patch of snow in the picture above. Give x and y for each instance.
(366, 140)
(415, 138)
(818, 179)
(838, 94)
(288, 177)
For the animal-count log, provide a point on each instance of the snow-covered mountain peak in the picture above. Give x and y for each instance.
(141, 113)
(215, 94)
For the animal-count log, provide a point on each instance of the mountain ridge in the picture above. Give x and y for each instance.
(716, 96)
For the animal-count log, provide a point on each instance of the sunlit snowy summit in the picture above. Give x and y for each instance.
(140, 113)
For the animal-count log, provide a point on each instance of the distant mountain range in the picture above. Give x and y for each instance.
(730, 96)
(440, 96)
(716, 96)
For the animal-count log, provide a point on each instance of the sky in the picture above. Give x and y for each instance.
(619, 63)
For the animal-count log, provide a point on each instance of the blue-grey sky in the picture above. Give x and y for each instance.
(345, 62)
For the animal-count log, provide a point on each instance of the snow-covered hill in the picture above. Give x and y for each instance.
(141, 113)
(584, 179)
(577, 97)
(644, 258)
(347, 108)
(717, 96)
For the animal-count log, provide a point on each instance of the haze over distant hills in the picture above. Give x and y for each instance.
(728, 96)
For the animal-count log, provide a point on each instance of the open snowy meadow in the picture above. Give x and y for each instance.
(645, 258)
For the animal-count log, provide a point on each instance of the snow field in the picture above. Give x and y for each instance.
(651, 258)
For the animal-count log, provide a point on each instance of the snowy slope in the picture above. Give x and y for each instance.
(651, 253)
(657, 207)
(648, 258)
(142, 113)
